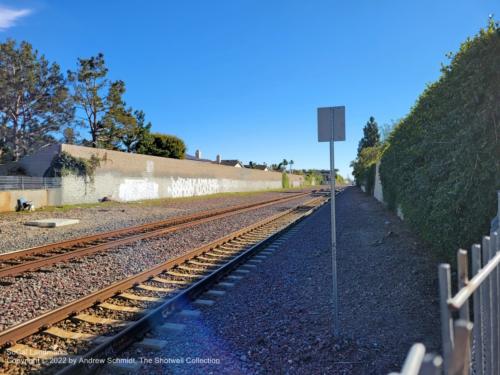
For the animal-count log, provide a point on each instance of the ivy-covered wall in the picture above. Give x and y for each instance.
(441, 164)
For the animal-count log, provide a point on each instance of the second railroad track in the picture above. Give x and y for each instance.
(18, 262)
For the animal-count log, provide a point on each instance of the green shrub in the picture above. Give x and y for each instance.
(167, 146)
(65, 164)
(285, 182)
(363, 168)
(313, 178)
(339, 179)
(442, 162)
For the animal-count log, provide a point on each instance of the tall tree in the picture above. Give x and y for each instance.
(283, 164)
(34, 100)
(134, 132)
(371, 135)
(164, 145)
(118, 121)
(69, 136)
(101, 107)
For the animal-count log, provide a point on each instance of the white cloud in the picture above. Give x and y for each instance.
(8, 16)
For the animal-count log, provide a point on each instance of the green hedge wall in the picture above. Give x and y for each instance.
(442, 162)
(364, 167)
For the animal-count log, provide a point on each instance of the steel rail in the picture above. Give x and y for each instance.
(173, 225)
(25, 329)
(129, 335)
(118, 232)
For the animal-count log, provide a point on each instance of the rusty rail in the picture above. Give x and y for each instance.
(172, 225)
(25, 329)
(129, 335)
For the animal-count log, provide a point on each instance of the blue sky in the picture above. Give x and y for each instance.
(243, 78)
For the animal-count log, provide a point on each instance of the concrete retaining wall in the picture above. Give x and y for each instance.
(40, 198)
(77, 190)
(378, 191)
(128, 177)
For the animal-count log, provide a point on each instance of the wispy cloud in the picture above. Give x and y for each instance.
(9, 16)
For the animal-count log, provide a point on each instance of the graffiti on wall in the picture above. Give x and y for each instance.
(136, 189)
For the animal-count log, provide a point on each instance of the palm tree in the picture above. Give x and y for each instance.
(291, 162)
(284, 163)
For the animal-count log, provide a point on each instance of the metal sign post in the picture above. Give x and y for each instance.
(331, 128)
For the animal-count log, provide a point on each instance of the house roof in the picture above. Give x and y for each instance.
(194, 158)
(232, 163)
(261, 167)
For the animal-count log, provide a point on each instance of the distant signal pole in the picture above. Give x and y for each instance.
(331, 128)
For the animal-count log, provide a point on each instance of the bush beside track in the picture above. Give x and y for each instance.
(441, 163)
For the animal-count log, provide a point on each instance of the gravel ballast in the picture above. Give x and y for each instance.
(37, 292)
(277, 319)
(14, 235)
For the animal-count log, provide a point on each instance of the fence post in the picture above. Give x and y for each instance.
(463, 279)
(487, 303)
(460, 364)
(498, 202)
(478, 313)
(446, 318)
(22, 183)
(494, 305)
(496, 235)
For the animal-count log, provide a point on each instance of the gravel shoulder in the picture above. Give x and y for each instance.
(36, 292)
(277, 320)
(14, 235)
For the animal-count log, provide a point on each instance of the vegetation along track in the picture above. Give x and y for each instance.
(75, 338)
(18, 262)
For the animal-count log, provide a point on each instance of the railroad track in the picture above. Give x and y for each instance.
(78, 337)
(16, 263)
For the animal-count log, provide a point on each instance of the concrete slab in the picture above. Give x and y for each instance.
(226, 284)
(52, 223)
(64, 334)
(234, 277)
(241, 271)
(169, 327)
(124, 367)
(98, 320)
(111, 306)
(190, 313)
(152, 344)
(214, 292)
(246, 265)
(135, 297)
(204, 302)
